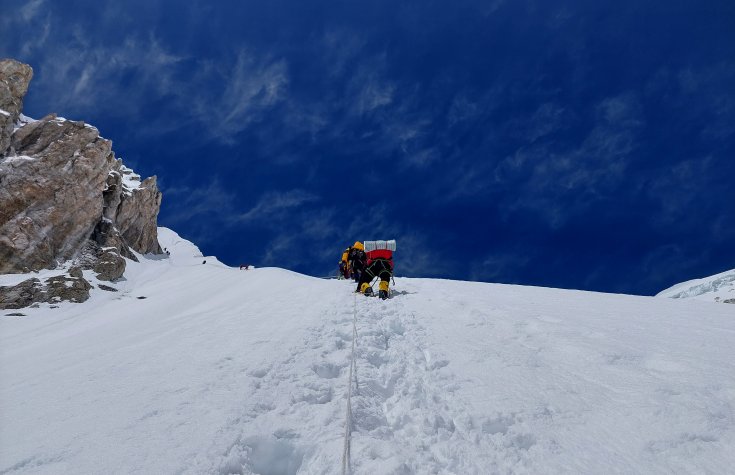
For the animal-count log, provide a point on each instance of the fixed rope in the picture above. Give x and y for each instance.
(348, 416)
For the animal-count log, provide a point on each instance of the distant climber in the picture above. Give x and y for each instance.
(245, 266)
(379, 264)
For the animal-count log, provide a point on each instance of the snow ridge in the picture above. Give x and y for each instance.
(717, 288)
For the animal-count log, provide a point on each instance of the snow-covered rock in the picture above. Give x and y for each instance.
(195, 367)
(716, 288)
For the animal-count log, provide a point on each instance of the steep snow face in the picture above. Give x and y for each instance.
(194, 367)
(717, 288)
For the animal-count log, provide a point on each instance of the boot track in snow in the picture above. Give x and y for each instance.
(401, 420)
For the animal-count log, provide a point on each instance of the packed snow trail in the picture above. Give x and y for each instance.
(225, 371)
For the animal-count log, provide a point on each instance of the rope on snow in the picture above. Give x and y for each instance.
(348, 417)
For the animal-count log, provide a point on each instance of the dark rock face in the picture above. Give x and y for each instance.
(64, 195)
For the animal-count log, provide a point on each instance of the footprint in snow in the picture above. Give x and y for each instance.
(327, 370)
(259, 373)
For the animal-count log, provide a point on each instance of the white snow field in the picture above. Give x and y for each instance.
(225, 371)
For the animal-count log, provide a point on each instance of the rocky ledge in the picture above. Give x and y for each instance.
(64, 197)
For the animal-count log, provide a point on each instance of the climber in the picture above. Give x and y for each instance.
(341, 271)
(356, 260)
(379, 264)
(344, 265)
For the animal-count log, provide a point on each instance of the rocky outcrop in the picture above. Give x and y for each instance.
(137, 217)
(14, 80)
(50, 194)
(63, 194)
(21, 295)
(108, 264)
(130, 212)
(72, 288)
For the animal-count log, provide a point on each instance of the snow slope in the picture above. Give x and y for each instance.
(224, 371)
(717, 288)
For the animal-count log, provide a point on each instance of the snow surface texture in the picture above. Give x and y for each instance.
(717, 288)
(219, 370)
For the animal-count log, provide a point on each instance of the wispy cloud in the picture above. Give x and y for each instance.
(208, 210)
(314, 235)
(678, 191)
(492, 266)
(664, 261)
(80, 76)
(31, 10)
(193, 202)
(30, 16)
(558, 184)
(252, 86)
(374, 95)
(202, 209)
(547, 119)
(416, 254)
(275, 204)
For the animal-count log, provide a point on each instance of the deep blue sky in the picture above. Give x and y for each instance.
(573, 144)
